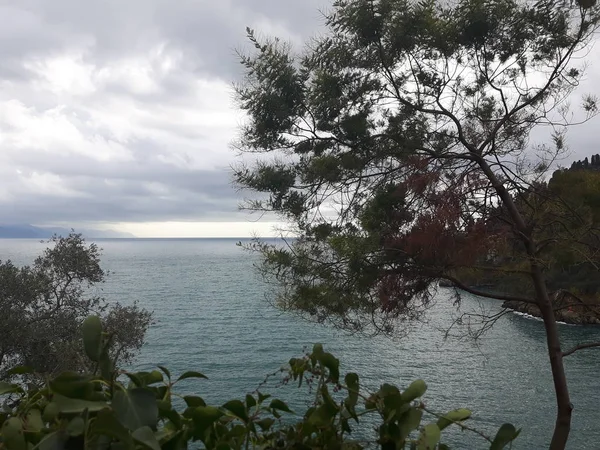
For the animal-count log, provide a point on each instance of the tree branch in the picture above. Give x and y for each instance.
(507, 298)
(581, 347)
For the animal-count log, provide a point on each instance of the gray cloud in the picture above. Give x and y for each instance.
(115, 111)
(121, 111)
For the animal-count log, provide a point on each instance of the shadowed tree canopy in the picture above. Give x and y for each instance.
(43, 305)
(397, 145)
(394, 139)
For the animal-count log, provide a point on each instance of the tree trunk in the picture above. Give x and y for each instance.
(562, 426)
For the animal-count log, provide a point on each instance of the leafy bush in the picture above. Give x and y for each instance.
(108, 409)
(42, 307)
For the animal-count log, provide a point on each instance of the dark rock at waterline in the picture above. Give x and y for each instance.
(569, 309)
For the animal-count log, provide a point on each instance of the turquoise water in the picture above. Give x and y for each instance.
(212, 316)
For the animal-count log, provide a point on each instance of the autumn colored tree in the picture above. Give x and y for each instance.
(391, 143)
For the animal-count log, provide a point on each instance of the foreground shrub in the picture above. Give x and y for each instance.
(110, 409)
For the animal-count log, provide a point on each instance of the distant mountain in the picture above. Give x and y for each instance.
(32, 232)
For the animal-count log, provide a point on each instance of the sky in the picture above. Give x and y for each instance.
(119, 114)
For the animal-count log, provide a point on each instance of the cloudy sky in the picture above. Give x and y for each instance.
(119, 114)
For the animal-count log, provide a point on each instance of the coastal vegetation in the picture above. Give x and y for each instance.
(107, 408)
(42, 307)
(396, 146)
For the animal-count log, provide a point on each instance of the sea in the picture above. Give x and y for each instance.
(213, 314)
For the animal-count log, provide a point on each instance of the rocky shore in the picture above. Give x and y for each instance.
(569, 309)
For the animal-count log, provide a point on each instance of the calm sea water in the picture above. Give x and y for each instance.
(212, 316)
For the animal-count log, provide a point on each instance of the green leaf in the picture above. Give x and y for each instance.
(333, 364)
(506, 434)
(203, 417)
(321, 416)
(135, 408)
(20, 370)
(51, 411)
(409, 422)
(429, 438)
(145, 435)
(191, 374)
(238, 409)
(317, 350)
(143, 379)
(166, 371)
(279, 405)
(193, 401)
(135, 379)
(92, 337)
(265, 424)
(68, 405)
(71, 384)
(107, 424)
(263, 397)
(8, 388)
(12, 434)
(34, 420)
(250, 401)
(53, 441)
(76, 426)
(351, 380)
(154, 377)
(416, 389)
(457, 415)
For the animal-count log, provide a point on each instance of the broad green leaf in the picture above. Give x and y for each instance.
(193, 401)
(68, 405)
(12, 434)
(333, 364)
(416, 389)
(506, 434)
(53, 441)
(135, 408)
(265, 424)
(51, 411)
(8, 388)
(317, 349)
(429, 438)
(237, 408)
(145, 435)
(71, 384)
(143, 379)
(409, 422)
(191, 374)
(76, 426)
(203, 417)
(173, 416)
(135, 379)
(154, 377)
(321, 416)
(34, 420)
(237, 431)
(107, 424)
(279, 405)
(453, 416)
(92, 337)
